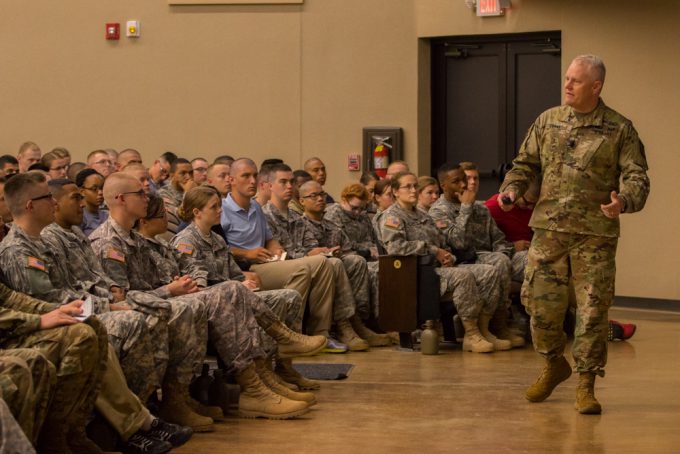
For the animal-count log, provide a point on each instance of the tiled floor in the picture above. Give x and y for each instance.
(463, 402)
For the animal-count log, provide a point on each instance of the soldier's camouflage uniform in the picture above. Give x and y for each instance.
(297, 240)
(413, 232)
(471, 227)
(78, 352)
(360, 235)
(583, 158)
(12, 439)
(40, 269)
(27, 381)
(172, 197)
(126, 259)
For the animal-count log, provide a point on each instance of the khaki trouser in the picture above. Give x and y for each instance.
(312, 277)
(117, 404)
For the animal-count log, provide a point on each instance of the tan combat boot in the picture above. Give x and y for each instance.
(174, 408)
(498, 344)
(586, 403)
(285, 370)
(269, 378)
(258, 401)
(556, 370)
(499, 327)
(293, 344)
(473, 341)
(349, 337)
(210, 411)
(374, 339)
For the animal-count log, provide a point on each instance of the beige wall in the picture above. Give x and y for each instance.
(301, 80)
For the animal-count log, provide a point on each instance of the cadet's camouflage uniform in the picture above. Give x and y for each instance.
(470, 226)
(413, 232)
(297, 240)
(126, 259)
(27, 381)
(360, 236)
(40, 269)
(12, 438)
(213, 257)
(583, 157)
(78, 352)
(172, 197)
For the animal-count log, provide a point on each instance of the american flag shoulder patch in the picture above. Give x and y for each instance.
(115, 254)
(392, 222)
(34, 262)
(185, 248)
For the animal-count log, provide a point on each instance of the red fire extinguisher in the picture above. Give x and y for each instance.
(381, 159)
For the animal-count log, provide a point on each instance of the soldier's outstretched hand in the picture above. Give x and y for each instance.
(506, 200)
(613, 209)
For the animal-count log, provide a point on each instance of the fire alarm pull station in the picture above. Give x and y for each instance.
(113, 31)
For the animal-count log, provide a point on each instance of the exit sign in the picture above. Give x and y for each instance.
(489, 8)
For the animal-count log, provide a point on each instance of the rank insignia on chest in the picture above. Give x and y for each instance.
(185, 248)
(442, 224)
(36, 263)
(392, 222)
(115, 254)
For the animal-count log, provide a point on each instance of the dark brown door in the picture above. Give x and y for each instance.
(486, 92)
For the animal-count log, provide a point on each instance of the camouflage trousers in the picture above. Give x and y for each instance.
(554, 258)
(488, 281)
(188, 334)
(344, 305)
(356, 269)
(271, 306)
(519, 263)
(27, 381)
(461, 283)
(79, 354)
(374, 282)
(503, 265)
(12, 437)
(132, 342)
(230, 323)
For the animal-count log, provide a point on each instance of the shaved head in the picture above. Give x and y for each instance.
(118, 183)
(241, 163)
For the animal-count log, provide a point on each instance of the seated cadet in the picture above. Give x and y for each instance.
(396, 167)
(76, 350)
(317, 169)
(383, 198)
(181, 180)
(126, 157)
(42, 277)
(27, 382)
(368, 180)
(468, 226)
(5, 214)
(100, 161)
(218, 177)
(57, 161)
(204, 254)
(428, 193)
(117, 248)
(9, 165)
(127, 330)
(405, 230)
(229, 299)
(288, 228)
(263, 189)
(300, 177)
(140, 173)
(200, 168)
(91, 186)
(74, 169)
(336, 240)
(160, 170)
(29, 154)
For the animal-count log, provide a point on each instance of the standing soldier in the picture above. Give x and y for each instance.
(594, 168)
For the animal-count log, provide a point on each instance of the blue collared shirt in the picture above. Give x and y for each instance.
(244, 230)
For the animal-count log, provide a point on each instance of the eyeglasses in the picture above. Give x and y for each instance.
(357, 209)
(409, 187)
(95, 188)
(46, 196)
(315, 195)
(140, 193)
(60, 168)
(102, 162)
(200, 170)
